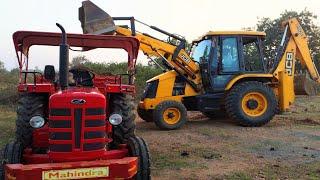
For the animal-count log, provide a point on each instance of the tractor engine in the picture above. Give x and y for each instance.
(77, 125)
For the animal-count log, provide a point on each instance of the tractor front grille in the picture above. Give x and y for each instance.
(77, 129)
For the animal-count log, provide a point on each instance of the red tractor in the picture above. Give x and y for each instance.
(75, 130)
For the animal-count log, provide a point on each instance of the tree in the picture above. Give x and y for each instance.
(2, 68)
(273, 29)
(79, 60)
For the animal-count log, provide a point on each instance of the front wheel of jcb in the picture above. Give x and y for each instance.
(169, 115)
(251, 103)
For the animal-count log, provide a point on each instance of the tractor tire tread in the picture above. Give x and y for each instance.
(122, 103)
(28, 105)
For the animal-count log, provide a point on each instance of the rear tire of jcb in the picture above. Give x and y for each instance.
(12, 155)
(29, 105)
(138, 148)
(158, 115)
(124, 105)
(145, 115)
(234, 103)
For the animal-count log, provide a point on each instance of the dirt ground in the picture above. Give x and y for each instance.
(286, 148)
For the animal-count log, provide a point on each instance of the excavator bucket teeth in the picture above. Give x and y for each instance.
(94, 20)
(304, 85)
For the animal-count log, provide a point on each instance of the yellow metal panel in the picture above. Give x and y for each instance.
(234, 80)
(164, 91)
(286, 91)
(285, 74)
(151, 103)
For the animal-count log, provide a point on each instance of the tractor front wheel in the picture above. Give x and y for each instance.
(123, 104)
(170, 115)
(251, 103)
(12, 155)
(138, 148)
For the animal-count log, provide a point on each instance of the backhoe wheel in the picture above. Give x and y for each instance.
(12, 155)
(29, 105)
(170, 115)
(145, 115)
(123, 104)
(251, 103)
(138, 148)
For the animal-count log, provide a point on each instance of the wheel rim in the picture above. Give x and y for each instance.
(171, 115)
(254, 104)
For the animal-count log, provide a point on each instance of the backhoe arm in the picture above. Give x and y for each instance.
(96, 21)
(175, 58)
(303, 52)
(294, 46)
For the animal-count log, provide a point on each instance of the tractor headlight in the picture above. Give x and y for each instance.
(36, 122)
(115, 119)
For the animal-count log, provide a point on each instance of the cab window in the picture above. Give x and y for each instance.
(251, 54)
(201, 50)
(230, 59)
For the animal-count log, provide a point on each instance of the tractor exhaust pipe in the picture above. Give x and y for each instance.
(63, 59)
(94, 20)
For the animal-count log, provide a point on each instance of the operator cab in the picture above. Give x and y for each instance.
(224, 55)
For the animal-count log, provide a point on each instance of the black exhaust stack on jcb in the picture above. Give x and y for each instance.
(63, 59)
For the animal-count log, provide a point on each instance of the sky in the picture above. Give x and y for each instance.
(190, 18)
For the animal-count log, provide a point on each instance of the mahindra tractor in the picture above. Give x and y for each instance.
(81, 128)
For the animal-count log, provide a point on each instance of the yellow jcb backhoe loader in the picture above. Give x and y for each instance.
(225, 71)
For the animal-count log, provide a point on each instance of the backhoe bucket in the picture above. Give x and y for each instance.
(94, 20)
(304, 85)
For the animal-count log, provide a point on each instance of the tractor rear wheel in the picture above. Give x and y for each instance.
(123, 104)
(170, 115)
(145, 115)
(251, 103)
(138, 147)
(12, 155)
(29, 105)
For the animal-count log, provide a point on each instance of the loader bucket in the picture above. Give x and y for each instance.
(94, 20)
(304, 85)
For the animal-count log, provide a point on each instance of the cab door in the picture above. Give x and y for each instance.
(228, 62)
